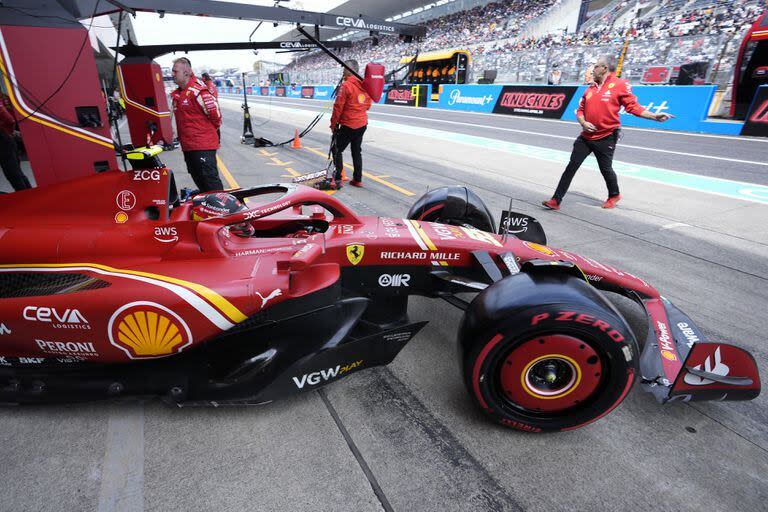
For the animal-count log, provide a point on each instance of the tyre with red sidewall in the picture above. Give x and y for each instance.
(556, 357)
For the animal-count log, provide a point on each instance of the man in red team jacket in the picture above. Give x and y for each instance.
(9, 151)
(598, 115)
(348, 122)
(197, 117)
(208, 81)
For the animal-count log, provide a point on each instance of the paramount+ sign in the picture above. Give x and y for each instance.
(534, 101)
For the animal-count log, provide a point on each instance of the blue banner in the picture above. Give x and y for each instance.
(323, 92)
(293, 91)
(472, 98)
(688, 103)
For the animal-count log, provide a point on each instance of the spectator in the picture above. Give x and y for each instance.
(197, 117)
(349, 122)
(555, 75)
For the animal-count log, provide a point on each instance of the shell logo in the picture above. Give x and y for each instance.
(121, 217)
(361, 98)
(669, 356)
(543, 249)
(146, 330)
(611, 85)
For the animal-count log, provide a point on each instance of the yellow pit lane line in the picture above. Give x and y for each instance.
(377, 179)
(227, 175)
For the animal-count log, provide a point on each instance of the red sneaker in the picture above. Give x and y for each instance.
(611, 201)
(356, 183)
(552, 204)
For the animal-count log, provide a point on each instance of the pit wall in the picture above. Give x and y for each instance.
(688, 103)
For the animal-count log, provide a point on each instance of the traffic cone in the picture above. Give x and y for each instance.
(296, 141)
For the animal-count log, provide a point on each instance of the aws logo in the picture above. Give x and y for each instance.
(146, 330)
(166, 234)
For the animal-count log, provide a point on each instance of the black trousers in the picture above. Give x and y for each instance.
(603, 150)
(202, 166)
(344, 137)
(9, 161)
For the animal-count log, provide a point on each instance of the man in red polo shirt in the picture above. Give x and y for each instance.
(348, 123)
(598, 115)
(198, 118)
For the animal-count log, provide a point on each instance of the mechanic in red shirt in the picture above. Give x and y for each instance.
(197, 117)
(208, 81)
(9, 152)
(598, 115)
(348, 123)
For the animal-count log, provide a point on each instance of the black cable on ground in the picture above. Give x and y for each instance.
(312, 123)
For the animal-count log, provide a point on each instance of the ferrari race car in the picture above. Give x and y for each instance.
(127, 295)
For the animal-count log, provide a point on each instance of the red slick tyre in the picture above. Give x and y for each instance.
(551, 367)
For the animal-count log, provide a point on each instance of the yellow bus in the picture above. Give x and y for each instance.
(439, 67)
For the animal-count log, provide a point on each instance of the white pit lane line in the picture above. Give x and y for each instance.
(122, 472)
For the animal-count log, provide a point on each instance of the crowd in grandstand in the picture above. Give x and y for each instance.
(491, 22)
(493, 33)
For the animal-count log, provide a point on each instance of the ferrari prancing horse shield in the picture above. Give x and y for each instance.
(355, 253)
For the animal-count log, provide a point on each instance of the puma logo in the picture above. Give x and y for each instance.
(275, 293)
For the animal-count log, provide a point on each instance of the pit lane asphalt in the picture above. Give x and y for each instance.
(407, 437)
(733, 158)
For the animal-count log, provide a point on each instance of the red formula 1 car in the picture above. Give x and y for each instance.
(123, 294)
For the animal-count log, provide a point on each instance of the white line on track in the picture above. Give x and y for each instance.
(566, 137)
(733, 138)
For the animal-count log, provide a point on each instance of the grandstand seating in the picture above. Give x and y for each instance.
(666, 32)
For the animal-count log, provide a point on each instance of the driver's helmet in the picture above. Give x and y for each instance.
(205, 206)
